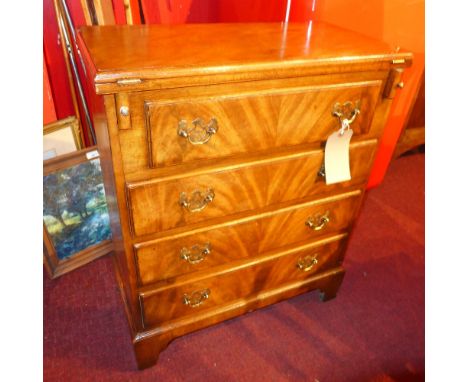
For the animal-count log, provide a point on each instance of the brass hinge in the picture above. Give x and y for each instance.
(398, 61)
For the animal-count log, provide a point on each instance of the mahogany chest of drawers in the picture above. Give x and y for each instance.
(212, 149)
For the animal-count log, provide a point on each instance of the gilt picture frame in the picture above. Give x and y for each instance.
(76, 227)
(61, 137)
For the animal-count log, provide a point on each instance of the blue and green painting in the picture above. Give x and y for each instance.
(74, 209)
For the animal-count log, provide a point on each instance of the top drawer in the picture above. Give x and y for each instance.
(180, 126)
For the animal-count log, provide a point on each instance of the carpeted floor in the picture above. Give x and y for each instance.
(372, 331)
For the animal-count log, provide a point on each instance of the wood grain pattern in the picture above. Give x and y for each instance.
(88, 12)
(121, 101)
(270, 106)
(160, 259)
(104, 12)
(102, 109)
(284, 117)
(161, 55)
(154, 204)
(166, 303)
(105, 123)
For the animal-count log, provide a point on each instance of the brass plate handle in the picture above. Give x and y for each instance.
(196, 253)
(306, 263)
(318, 221)
(200, 133)
(196, 298)
(198, 201)
(346, 113)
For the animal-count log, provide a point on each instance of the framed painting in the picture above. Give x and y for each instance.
(76, 225)
(61, 137)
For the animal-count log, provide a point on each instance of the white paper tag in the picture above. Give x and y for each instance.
(337, 157)
(92, 154)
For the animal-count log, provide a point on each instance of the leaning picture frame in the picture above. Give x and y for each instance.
(61, 137)
(76, 227)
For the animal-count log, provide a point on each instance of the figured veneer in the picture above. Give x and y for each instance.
(186, 296)
(165, 56)
(155, 206)
(211, 140)
(244, 237)
(287, 113)
(282, 117)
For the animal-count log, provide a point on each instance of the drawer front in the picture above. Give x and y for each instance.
(158, 205)
(191, 297)
(214, 127)
(189, 252)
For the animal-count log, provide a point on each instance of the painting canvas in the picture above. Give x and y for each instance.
(74, 208)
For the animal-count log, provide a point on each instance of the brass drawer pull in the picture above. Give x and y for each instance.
(196, 254)
(346, 113)
(197, 201)
(318, 222)
(200, 133)
(305, 264)
(196, 298)
(321, 171)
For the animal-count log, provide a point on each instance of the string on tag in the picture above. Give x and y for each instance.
(346, 114)
(344, 126)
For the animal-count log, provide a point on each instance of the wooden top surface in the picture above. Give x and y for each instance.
(169, 51)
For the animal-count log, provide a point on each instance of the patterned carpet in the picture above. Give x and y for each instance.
(372, 331)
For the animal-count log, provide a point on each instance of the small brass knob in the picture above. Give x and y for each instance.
(125, 111)
(400, 85)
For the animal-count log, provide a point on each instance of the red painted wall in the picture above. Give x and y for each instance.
(48, 108)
